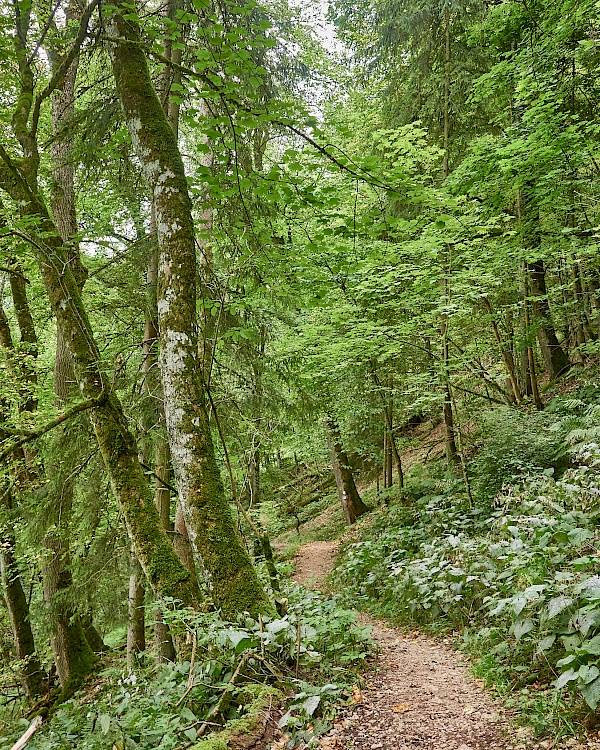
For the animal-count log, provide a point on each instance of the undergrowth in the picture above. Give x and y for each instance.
(514, 573)
(308, 660)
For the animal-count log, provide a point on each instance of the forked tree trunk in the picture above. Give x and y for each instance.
(235, 584)
(352, 504)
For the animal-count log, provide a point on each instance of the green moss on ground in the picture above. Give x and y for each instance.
(242, 732)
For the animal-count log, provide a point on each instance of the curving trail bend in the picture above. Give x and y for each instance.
(420, 694)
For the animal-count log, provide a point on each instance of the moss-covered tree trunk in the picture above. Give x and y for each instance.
(117, 445)
(352, 504)
(235, 584)
(33, 677)
(73, 656)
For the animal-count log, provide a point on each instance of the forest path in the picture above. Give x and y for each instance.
(420, 694)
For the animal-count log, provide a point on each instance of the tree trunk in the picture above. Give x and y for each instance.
(389, 466)
(507, 355)
(136, 629)
(33, 677)
(555, 359)
(163, 642)
(393, 448)
(537, 400)
(184, 548)
(235, 584)
(385, 455)
(117, 444)
(352, 504)
(449, 432)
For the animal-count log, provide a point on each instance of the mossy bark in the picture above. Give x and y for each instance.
(352, 504)
(117, 445)
(235, 584)
(73, 655)
(33, 677)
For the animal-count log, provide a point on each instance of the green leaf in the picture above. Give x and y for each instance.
(557, 605)
(546, 642)
(592, 646)
(565, 677)
(311, 704)
(591, 693)
(522, 626)
(588, 673)
(104, 721)
(578, 536)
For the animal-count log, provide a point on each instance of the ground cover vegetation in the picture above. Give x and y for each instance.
(512, 571)
(242, 265)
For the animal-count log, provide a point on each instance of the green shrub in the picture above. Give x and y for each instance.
(515, 445)
(164, 707)
(521, 581)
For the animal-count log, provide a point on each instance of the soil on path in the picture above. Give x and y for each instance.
(314, 562)
(420, 695)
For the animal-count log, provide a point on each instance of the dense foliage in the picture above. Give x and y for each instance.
(517, 577)
(246, 250)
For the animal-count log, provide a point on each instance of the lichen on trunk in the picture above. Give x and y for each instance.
(234, 582)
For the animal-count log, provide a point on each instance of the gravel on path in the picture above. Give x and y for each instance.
(420, 694)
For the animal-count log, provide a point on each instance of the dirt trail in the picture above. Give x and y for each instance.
(314, 562)
(421, 694)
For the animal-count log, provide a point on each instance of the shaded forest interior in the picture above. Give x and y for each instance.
(264, 266)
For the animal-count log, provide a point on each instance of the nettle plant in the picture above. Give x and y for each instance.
(308, 659)
(526, 572)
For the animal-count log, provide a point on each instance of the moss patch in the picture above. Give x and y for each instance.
(254, 729)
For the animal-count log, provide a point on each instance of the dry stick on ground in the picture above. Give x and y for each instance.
(298, 643)
(34, 726)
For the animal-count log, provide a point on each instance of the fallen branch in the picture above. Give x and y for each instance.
(34, 726)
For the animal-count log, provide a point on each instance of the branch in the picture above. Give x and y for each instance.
(14, 271)
(60, 71)
(364, 176)
(29, 435)
(158, 479)
(45, 30)
(34, 726)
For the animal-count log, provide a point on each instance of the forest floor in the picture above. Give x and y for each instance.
(420, 693)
